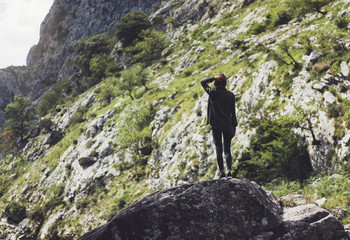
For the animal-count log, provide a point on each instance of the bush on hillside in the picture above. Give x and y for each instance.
(132, 77)
(275, 151)
(48, 101)
(341, 22)
(131, 25)
(21, 114)
(135, 134)
(15, 212)
(46, 124)
(89, 48)
(282, 17)
(37, 214)
(149, 48)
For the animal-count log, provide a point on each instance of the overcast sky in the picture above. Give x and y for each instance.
(20, 28)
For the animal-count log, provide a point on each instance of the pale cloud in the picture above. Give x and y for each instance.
(20, 22)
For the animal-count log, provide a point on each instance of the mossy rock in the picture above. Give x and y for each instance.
(86, 161)
(15, 212)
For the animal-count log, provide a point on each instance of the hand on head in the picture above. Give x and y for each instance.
(220, 76)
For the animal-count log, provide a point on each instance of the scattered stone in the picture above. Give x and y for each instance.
(52, 219)
(319, 86)
(321, 202)
(200, 50)
(310, 222)
(310, 60)
(339, 212)
(344, 69)
(329, 98)
(26, 189)
(292, 200)
(86, 161)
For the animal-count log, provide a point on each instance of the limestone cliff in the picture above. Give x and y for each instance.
(51, 59)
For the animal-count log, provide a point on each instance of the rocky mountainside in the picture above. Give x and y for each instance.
(219, 209)
(51, 59)
(104, 150)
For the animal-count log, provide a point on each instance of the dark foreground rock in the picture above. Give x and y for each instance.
(218, 209)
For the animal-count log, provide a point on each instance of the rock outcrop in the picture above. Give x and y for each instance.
(218, 209)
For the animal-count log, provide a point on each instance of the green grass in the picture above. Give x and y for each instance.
(334, 189)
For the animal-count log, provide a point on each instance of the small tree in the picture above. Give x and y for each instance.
(135, 133)
(134, 76)
(141, 75)
(150, 48)
(131, 25)
(128, 81)
(7, 142)
(88, 48)
(283, 54)
(98, 65)
(48, 101)
(275, 151)
(21, 115)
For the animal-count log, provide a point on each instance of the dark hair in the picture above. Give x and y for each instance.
(220, 82)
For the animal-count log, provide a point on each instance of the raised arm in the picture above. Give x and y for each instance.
(205, 82)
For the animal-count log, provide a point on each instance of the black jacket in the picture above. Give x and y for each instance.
(221, 108)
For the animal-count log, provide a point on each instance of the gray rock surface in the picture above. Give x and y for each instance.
(310, 222)
(218, 209)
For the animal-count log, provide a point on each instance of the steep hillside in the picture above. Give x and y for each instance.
(51, 60)
(288, 66)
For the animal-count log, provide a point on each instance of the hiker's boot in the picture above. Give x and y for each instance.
(229, 174)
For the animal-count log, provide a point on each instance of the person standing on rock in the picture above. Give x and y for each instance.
(221, 116)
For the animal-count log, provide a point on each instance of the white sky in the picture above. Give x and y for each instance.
(20, 22)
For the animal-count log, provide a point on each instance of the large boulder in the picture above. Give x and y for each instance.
(218, 209)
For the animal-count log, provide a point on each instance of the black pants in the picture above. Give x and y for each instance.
(218, 135)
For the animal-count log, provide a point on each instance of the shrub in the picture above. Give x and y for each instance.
(107, 94)
(21, 114)
(98, 65)
(121, 204)
(15, 212)
(78, 116)
(46, 124)
(55, 198)
(149, 48)
(131, 25)
(48, 101)
(187, 73)
(333, 110)
(37, 214)
(83, 203)
(257, 28)
(341, 22)
(88, 48)
(132, 77)
(282, 17)
(275, 151)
